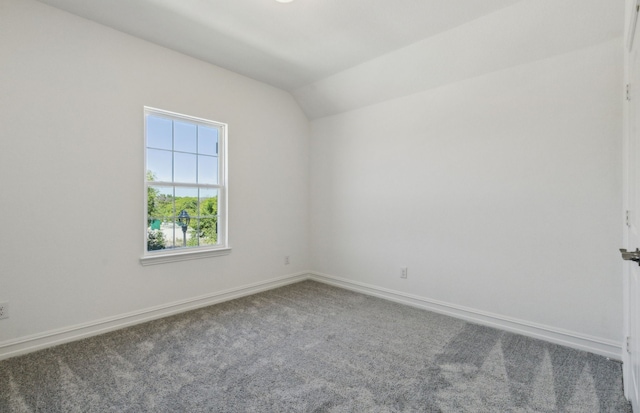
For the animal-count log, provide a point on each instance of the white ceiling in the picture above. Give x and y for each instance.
(286, 45)
(525, 32)
(340, 55)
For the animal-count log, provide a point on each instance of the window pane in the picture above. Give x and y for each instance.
(207, 140)
(208, 223)
(170, 231)
(159, 132)
(185, 137)
(185, 168)
(207, 169)
(159, 163)
(208, 231)
(165, 204)
(160, 202)
(208, 201)
(159, 217)
(187, 201)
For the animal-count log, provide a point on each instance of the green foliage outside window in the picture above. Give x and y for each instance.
(203, 226)
(155, 237)
(155, 240)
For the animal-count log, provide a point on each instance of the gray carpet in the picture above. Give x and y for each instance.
(310, 347)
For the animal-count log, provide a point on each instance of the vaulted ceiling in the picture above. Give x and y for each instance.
(320, 49)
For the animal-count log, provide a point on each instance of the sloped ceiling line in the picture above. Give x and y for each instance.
(336, 55)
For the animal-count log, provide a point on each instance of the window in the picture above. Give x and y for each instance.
(185, 187)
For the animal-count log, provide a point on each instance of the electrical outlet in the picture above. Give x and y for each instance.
(403, 272)
(286, 260)
(4, 310)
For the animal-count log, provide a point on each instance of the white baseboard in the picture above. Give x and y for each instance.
(604, 347)
(23, 345)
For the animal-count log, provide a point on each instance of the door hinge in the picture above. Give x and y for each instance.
(628, 92)
(627, 218)
(629, 344)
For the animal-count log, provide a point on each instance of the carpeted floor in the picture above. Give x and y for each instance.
(309, 347)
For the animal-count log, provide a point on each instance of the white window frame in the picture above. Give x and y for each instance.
(182, 254)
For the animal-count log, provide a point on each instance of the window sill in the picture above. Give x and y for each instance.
(161, 258)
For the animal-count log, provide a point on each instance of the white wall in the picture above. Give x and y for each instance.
(500, 193)
(71, 165)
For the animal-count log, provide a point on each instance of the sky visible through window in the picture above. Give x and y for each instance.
(181, 152)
